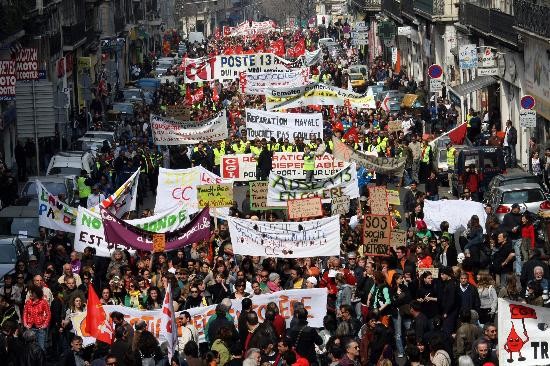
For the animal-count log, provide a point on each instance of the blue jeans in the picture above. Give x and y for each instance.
(517, 250)
(41, 335)
(397, 326)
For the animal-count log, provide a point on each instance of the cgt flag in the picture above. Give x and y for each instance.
(97, 323)
(168, 328)
(523, 333)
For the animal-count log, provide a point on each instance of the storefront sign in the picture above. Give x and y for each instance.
(27, 64)
(7, 80)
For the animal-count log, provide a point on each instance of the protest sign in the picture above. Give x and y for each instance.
(305, 208)
(230, 66)
(398, 237)
(314, 300)
(242, 167)
(434, 271)
(124, 198)
(393, 197)
(120, 232)
(381, 165)
(262, 124)
(378, 200)
(376, 235)
(168, 131)
(456, 213)
(159, 243)
(252, 28)
(26, 65)
(258, 196)
(282, 189)
(215, 195)
(89, 228)
(179, 186)
(316, 94)
(198, 69)
(394, 126)
(340, 205)
(523, 333)
(54, 214)
(314, 238)
(178, 111)
(255, 83)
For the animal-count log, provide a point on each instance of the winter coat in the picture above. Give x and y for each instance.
(36, 314)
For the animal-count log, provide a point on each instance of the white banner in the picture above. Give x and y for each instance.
(314, 57)
(52, 213)
(168, 131)
(456, 212)
(316, 94)
(255, 83)
(262, 124)
(179, 186)
(89, 228)
(242, 167)
(281, 189)
(245, 28)
(314, 300)
(314, 238)
(523, 333)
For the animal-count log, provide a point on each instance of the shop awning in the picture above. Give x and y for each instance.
(473, 85)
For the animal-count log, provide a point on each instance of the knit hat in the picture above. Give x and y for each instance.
(274, 276)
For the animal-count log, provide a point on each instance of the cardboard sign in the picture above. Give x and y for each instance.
(393, 197)
(395, 126)
(433, 270)
(305, 208)
(159, 243)
(178, 111)
(398, 238)
(215, 195)
(378, 200)
(340, 205)
(376, 234)
(258, 196)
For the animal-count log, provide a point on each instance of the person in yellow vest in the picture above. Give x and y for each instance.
(218, 151)
(84, 185)
(425, 161)
(286, 147)
(451, 151)
(238, 147)
(256, 150)
(309, 163)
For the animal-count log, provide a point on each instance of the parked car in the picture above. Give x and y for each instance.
(439, 148)
(126, 110)
(20, 220)
(12, 249)
(106, 135)
(70, 163)
(529, 196)
(488, 160)
(517, 177)
(55, 184)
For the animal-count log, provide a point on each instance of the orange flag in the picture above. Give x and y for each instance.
(97, 322)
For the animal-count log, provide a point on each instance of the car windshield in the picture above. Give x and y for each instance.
(54, 188)
(64, 171)
(7, 254)
(129, 94)
(356, 77)
(442, 155)
(95, 135)
(524, 196)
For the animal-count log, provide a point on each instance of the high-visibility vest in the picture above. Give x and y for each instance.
(426, 154)
(309, 161)
(218, 153)
(451, 157)
(256, 151)
(238, 149)
(84, 190)
(288, 148)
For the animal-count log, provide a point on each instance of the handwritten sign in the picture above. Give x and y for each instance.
(376, 235)
(398, 237)
(305, 208)
(258, 196)
(159, 243)
(215, 195)
(393, 197)
(395, 126)
(340, 205)
(378, 200)
(179, 111)
(433, 270)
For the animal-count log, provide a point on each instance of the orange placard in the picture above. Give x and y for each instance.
(159, 243)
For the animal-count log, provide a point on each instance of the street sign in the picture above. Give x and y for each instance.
(527, 102)
(361, 29)
(359, 42)
(359, 35)
(404, 31)
(436, 85)
(435, 71)
(487, 71)
(527, 118)
(359, 24)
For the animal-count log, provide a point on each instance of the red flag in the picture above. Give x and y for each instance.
(97, 322)
(188, 97)
(352, 134)
(300, 48)
(238, 50)
(278, 47)
(215, 96)
(458, 134)
(217, 33)
(228, 51)
(197, 96)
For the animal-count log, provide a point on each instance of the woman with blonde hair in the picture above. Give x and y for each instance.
(487, 297)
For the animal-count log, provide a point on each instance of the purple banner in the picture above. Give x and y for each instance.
(120, 232)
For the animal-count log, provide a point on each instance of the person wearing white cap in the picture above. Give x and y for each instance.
(311, 282)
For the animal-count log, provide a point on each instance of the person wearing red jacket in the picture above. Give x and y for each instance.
(335, 266)
(37, 315)
(527, 237)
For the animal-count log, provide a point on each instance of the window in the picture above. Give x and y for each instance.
(530, 195)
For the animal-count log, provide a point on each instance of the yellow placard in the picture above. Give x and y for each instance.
(215, 195)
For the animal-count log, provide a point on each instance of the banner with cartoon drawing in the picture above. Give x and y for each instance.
(523, 334)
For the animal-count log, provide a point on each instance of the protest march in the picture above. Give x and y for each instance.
(262, 210)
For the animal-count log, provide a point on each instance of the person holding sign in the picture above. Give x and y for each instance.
(309, 163)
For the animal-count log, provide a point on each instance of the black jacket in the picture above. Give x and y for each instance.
(409, 201)
(469, 299)
(509, 222)
(421, 326)
(304, 338)
(512, 138)
(447, 298)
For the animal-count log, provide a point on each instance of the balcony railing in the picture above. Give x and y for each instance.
(436, 8)
(533, 18)
(407, 7)
(487, 21)
(392, 7)
(73, 34)
(373, 5)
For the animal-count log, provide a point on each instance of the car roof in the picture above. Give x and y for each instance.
(519, 187)
(30, 211)
(7, 239)
(55, 178)
(514, 175)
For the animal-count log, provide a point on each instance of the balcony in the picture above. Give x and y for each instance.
(74, 35)
(373, 5)
(392, 8)
(532, 18)
(120, 23)
(490, 22)
(442, 10)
